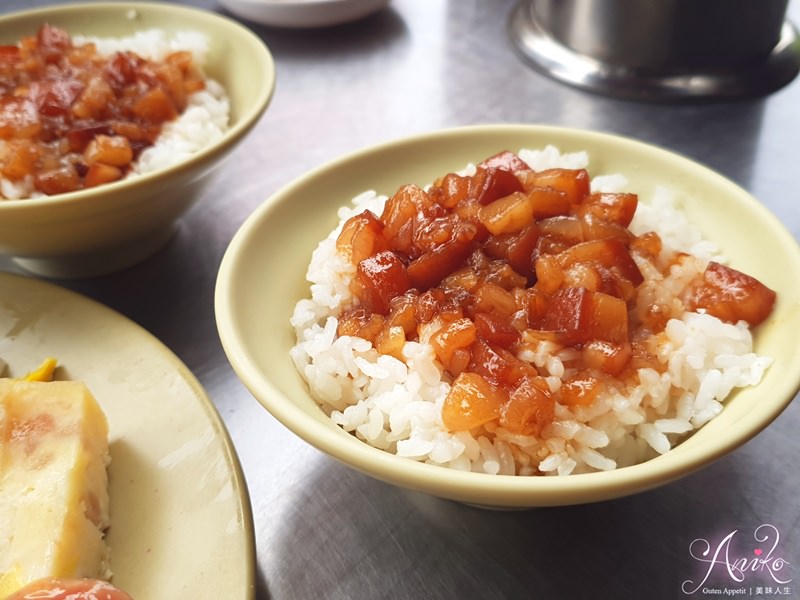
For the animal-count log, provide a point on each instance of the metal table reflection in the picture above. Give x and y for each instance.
(324, 531)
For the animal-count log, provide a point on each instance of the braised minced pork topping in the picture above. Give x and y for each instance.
(72, 119)
(485, 266)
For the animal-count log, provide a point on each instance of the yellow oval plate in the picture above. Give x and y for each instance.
(181, 524)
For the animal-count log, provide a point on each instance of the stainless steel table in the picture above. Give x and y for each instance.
(324, 531)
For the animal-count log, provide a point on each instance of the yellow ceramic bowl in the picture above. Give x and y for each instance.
(118, 224)
(262, 277)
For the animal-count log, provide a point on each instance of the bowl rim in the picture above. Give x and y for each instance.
(231, 137)
(509, 490)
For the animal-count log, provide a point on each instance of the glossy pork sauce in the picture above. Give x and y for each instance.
(486, 266)
(72, 119)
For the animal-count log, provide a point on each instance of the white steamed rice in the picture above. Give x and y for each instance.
(204, 121)
(396, 405)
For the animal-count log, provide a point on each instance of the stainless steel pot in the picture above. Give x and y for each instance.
(660, 48)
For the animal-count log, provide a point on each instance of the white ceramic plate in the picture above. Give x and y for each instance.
(302, 13)
(181, 520)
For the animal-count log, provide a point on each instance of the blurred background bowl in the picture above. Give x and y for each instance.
(262, 276)
(303, 14)
(116, 225)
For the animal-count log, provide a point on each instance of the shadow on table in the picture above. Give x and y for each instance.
(169, 293)
(354, 537)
